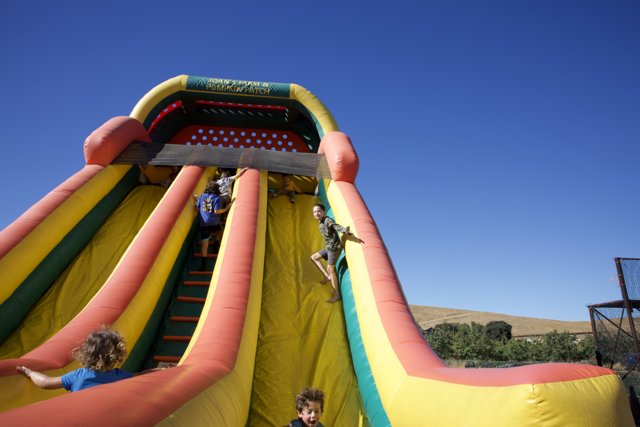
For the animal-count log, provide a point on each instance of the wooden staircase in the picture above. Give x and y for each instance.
(184, 311)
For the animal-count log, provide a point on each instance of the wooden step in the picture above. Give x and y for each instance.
(200, 273)
(169, 359)
(199, 255)
(176, 338)
(186, 319)
(196, 283)
(183, 298)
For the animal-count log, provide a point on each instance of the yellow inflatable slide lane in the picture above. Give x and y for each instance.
(80, 281)
(302, 339)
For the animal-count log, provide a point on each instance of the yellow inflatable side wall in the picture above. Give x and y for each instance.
(16, 265)
(411, 400)
(152, 98)
(320, 114)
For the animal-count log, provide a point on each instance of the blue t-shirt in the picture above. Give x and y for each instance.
(84, 378)
(208, 205)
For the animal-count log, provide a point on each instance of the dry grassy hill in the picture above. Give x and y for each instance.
(521, 326)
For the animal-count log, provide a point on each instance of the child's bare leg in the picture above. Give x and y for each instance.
(204, 247)
(334, 282)
(316, 260)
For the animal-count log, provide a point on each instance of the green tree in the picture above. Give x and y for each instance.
(499, 330)
(518, 350)
(586, 348)
(472, 342)
(560, 347)
(441, 338)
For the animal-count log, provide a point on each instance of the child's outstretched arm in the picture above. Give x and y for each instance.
(242, 171)
(348, 235)
(225, 209)
(341, 229)
(40, 379)
(148, 371)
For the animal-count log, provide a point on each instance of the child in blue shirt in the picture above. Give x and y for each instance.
(210, 206)
(103, 350)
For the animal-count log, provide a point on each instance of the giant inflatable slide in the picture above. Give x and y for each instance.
(116, 244)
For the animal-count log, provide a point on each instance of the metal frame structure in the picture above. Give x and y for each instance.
(616, 340)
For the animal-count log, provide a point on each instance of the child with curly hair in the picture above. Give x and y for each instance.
(103, 350)
(309, 406)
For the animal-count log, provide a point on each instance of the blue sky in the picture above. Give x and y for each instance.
(498, 140)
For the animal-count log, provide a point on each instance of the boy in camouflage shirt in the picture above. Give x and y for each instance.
(329, 230)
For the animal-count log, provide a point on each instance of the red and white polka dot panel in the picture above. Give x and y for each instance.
(229, 137)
